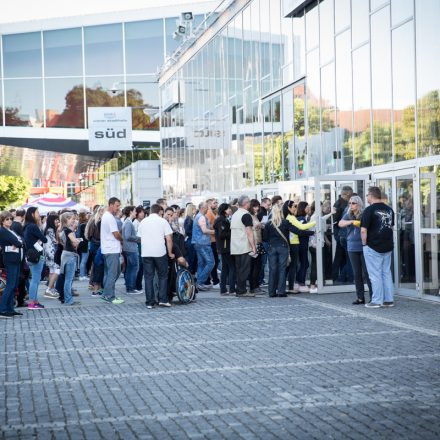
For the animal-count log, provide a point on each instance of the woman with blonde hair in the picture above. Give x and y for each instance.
(93, 234)
(352, 221)
(276, 233)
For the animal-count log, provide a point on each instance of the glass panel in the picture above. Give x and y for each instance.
(142, 91)
(342, 14)
(326, 233)
(1, 105)
(277, 140)
(103, 49)
(255, 23)
(299, 131)
(328, 119)
(374, 4)
(313, 116)
(405, 233)
(98, 92)
(63, 52)
(299, 46)
(430, 197)
(171, 43)
(326, 20)
(401, 10)
(360, 21)
(381, 86)
(386, 188)
(288, 141)
(64, 102)
(276, 56)
(247, 47)
(144, 46)
(258, 158)
(344, 99)
(22, 55)
(428, 80)
(287, 49)
(312, 27)
(265, 46)
(24, 102)
(361, 105)
(268, 151)
(431, 264)
(404, 92)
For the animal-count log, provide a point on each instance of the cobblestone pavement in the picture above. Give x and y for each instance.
(305, 367)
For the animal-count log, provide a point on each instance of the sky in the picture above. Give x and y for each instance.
(24, 10)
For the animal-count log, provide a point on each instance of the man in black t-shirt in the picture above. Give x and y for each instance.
(377, 238)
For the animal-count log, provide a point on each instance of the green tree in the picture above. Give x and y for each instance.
(13, 190)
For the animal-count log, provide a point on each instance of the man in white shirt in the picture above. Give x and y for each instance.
(111, 250)
(156, 241)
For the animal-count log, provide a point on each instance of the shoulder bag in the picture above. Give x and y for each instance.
(288, 244)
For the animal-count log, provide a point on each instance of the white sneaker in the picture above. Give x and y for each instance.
(215, 286)
(296, 287)
(139, 291)
(132, 292)
(303, 289)
(51, 294)
(83, 278)
(165, 304)
(313, 290)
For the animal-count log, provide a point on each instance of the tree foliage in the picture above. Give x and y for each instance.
(13, 191)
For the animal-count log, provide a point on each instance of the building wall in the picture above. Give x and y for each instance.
(343, 85)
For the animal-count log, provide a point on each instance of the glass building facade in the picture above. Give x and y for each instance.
(284, 92)
(49, 78)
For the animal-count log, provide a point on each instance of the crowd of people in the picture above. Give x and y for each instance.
(230, 247)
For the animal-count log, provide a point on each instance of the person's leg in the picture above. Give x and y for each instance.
(232, 278)
(206, 263)
(83, 264)
(69, 274)
(314, 269)
(339, 261)
(112, 266)
(356, 264)
(161, 265)
(387, 278)
(302, 266)
(366, 276)
(148, 265)
(131, 270)
(214, 273)
(264, 259)
(242, 267)
(374, 266)
(224, 275)
(200, 264)
(59, 287)
(293, 249)
(24, 275)
(273, 271)
(7, 299)
(36, 270)
(283, 253)
(140, 273)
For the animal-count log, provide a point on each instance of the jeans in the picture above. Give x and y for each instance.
(36, 269)
(131, 270)
(294, 251)
(191, 256)
(242, 270)
(69, 274)
(360, 271)
(112, 270)
(313, 268)
(12, 275)
(228, 273)
(140, 273)
(277, 270)
(59, 287)
(83, 264)
(254, 276)
(159, 265)
(303, 259)
(205, 262)
(214, 273)
(264, 259)
(379, 271)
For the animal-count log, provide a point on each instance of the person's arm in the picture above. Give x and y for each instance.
(14, 240)
(250, 237)
(36, 232)
(345, 221)
(364, 236)
(302, 226)
(365, 223)
(75, 242)
(129, 232)
(293, 228)
(115, 230)
(117, 235)
(169, 243)
(205, 230)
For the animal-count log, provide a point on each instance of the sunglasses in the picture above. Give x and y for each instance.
(353, 203)
(8, 218)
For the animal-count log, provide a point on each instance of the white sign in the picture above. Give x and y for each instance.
(110, 128)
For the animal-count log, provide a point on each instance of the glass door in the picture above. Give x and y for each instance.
(333, 266)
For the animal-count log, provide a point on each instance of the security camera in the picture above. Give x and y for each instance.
(186, 16)
(181, 29)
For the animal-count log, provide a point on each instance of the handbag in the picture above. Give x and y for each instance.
(289, 260)
(33, 256)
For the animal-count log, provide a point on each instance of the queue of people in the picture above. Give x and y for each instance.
(231, 247)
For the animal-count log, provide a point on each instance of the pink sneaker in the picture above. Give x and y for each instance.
(35, 306)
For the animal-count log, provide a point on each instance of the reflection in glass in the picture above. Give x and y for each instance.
(431, 264)
(142, 92)
(144, 46)
(401, 10)
(360, 21)
(287, 49)
(265, 46)
(430, 197)
(299, 46)
(404, 92)
(170, 27)
(344, 99)
(277, 50)
(64, 102)
(288, 141)
(361, 106)
(255, 37)
(268, 149)
(405, 232)
(428, 80)
(381, 86)
(312, 26)
(299, 131)
(98, 92)
(342, 14)
(103, 49)
(328, 119)
(327, 48)
(313, 115)
(258, 158)
(22, 55)
(63, 52)
(24, 102)
(278, 160)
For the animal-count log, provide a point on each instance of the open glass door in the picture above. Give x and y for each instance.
(333, 266)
